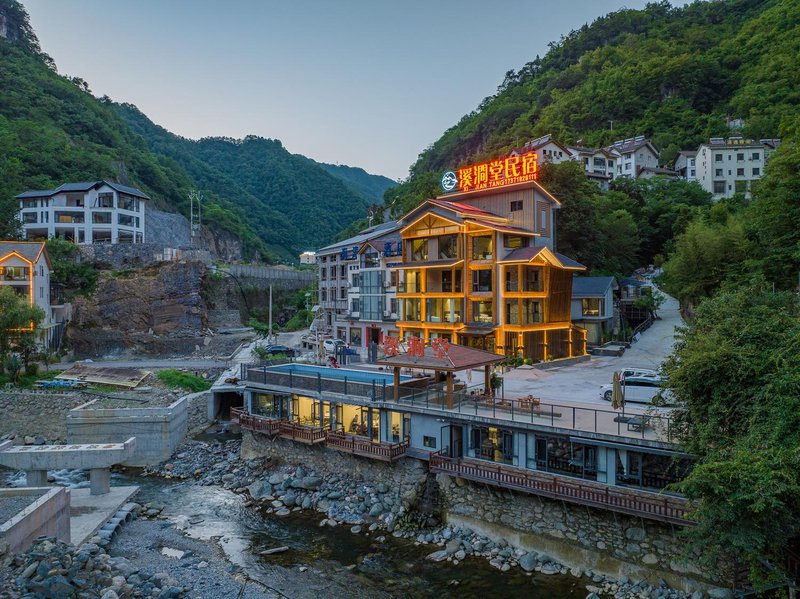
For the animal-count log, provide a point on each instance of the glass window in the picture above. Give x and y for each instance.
(515, 241)
(592, 306)
(482, 312)
(429, 442)
(413, 280)
(448, 285)
(719, 186)
(512, 282)
(411, 309)
(105, 200)
(531, 311)
(355, 336)
(740, 156)
(533, 278)
(756, 156)
(354, 306)
(481, 280)
(371, 260)
(718, 172)
(448, 247)
(419, 250)
(756, 172)
(443, 310)
(516, 205)
(482, 247)
(28, 217)
(718, 157)
(740, 172)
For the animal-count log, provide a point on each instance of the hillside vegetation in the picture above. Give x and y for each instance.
(52, 130)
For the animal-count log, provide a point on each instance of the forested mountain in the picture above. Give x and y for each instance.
(370, 186)
(673, 74)
(52, 130)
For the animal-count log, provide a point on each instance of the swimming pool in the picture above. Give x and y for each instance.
(339, 374)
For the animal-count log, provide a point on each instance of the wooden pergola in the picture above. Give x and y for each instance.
(456, 358)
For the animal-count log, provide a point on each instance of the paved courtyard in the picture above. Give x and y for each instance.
(580, 383)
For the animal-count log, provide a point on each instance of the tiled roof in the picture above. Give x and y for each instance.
(365, 235)
(82, 186)
(591, 286)
(28, 249)
(568, 262)
(458, 357)
(525, 254)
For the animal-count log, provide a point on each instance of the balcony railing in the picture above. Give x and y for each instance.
(387, 452)
(653, 506)
(276, 426)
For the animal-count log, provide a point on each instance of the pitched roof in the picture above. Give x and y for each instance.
(30, 250)
(632, 144)
(363, 236)
(591, 286)
(524, 254)
(529, 253)
(82, 186)
(569, 262)
(457, 357)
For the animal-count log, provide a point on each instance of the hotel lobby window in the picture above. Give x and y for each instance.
(482, 247)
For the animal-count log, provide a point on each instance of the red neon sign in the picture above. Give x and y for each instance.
(497, 173)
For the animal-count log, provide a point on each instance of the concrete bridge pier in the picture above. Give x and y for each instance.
(36, 478)
(99, 481)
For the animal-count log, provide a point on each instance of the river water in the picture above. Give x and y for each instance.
(393, 567)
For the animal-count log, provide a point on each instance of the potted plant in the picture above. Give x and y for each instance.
(495, 382)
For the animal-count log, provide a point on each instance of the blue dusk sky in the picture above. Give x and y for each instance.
(368, 83)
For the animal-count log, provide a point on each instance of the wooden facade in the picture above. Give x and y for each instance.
(477, 273)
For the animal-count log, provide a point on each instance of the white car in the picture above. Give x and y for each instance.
(636, 389)
(331, 345)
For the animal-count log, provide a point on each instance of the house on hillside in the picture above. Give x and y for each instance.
(600, 165)
(25, 268)
(635, 153)
(84, 213)
(686, 165)
(729, 166)
(593, 306)
(649, 172)
(547, 149)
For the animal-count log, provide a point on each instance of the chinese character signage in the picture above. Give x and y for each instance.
(518, 168)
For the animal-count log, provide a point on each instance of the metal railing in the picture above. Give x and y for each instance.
(663, 508)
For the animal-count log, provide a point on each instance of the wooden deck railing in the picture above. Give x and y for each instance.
(303, 434)
(388, 452)
(268, 426)
(664, 508)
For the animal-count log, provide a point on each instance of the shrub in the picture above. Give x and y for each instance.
(177, 379)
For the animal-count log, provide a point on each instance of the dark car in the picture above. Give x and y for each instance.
(274, 350)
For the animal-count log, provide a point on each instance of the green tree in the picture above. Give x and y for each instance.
(736, 370)
(17, 318)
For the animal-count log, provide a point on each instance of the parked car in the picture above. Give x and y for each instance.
(274, 350)
(634, 371)
(635, 389)
(331, 345)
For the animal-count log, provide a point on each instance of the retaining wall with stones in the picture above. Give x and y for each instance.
(158, 431)
(577, 536)
(407, 475)
(47, 514)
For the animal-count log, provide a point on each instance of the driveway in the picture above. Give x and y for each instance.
(580, 383)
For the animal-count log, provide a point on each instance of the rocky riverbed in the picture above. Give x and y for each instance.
(365, 508)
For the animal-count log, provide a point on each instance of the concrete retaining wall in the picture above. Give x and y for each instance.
(158, 431)
(48, 514)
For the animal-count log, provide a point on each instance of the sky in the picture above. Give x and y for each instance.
(367, 83)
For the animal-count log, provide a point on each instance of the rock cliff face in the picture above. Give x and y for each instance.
(156, 310)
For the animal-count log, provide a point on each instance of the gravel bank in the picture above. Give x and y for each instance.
(10, 506)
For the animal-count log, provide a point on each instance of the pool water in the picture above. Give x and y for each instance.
(358, 376)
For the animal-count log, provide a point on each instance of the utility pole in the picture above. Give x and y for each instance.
(195, 216)
(269, 337)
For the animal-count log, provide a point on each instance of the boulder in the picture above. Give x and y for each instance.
(452, 546)
(528, 562)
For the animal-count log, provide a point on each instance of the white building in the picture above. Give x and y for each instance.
(358, 285)
(635, 153)
(25, 267)
(547, 150)
(308, 258)
(88, 212)
(729, 166)
(686, 165)
(600, 165)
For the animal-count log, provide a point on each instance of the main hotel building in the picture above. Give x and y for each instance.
(479, 266)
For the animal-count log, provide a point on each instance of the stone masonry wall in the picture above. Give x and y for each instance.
(578, 536)
(408, 476)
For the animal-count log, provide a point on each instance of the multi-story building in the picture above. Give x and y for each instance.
(635, 154)
(357, 285)
(25, 268)
(593, 307)
(308, 258)
(686, 165)
(600, 165)
(479, 270)
(548, 150)
(89, 212)
(729, 166)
